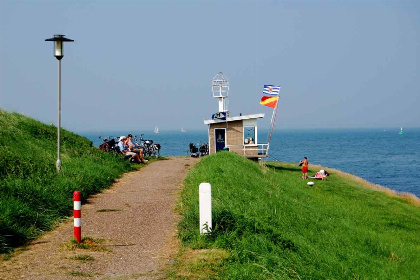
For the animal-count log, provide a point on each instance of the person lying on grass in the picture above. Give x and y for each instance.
(321, 175)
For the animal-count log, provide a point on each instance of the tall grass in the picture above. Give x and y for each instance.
(33, 197)
(277, 227)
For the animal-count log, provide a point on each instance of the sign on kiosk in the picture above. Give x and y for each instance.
(219, 116)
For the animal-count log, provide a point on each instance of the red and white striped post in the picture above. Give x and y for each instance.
(77, 213)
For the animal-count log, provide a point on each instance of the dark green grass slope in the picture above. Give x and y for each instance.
(33, 197)
(276, 227)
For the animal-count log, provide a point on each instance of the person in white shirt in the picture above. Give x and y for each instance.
(122, 144)
(132, 147)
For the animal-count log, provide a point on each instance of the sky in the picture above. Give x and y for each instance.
(137, 64)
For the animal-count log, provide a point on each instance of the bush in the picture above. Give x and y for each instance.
(33, 196)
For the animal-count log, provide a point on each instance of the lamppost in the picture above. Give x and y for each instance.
(59, 53)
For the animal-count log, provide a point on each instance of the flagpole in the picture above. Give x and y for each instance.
(271, 90)
(273, 121)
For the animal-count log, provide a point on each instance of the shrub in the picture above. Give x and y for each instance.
(33, 196)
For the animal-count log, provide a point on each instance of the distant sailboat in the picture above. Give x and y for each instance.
(183, 130)
(401, 131)
(156, 129)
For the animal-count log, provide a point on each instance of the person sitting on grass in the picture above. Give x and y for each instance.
(132, 147)
(321, 175)
(122, 145)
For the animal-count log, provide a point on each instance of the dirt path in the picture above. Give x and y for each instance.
(135, 218)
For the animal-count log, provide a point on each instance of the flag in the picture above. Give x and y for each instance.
(269, 101)
(271, 90)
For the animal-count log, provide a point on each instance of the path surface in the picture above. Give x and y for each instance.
(139, 229)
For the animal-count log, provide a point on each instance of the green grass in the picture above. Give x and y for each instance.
(33, 197)
(87, 243)
(83, 258)
(274, 226)
(80, 274)
(108, 210)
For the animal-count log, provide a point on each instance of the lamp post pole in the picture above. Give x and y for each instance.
(58, 163)
(59, 53)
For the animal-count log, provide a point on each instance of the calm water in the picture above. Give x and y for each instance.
(380, 156)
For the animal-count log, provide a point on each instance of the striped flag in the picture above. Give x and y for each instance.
(269, 101)
(271, 90)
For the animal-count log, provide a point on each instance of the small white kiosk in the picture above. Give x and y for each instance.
(237, 134)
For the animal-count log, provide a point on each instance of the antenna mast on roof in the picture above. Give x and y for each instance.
(220, 89)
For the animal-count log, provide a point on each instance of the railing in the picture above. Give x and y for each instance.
(263, 149)
(252, 150)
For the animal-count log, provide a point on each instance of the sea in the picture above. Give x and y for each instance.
(381, 156)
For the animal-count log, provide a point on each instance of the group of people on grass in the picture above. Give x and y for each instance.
(321, 175)
(129, 149)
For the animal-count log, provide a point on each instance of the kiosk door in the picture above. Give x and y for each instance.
(220, 138)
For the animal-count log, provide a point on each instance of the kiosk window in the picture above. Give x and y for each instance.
(249, 135)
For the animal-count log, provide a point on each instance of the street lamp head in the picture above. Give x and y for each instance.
(58, 46)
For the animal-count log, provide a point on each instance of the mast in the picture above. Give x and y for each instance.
(220, 90)
(273, 121)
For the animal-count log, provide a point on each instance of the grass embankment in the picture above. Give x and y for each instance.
(33, 197)
(269, 224)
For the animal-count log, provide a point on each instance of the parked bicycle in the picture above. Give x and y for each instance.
(149, 149)
(204, 149)
(109, 144)
(197, 152)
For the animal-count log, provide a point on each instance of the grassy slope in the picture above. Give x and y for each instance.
(33, 197)
(276, 227)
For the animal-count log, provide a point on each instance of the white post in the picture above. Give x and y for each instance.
(205, 208)
(221, 104)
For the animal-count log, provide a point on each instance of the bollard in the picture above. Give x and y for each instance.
(205, 208)
(77, 213)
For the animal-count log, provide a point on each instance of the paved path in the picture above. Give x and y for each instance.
(139, 232)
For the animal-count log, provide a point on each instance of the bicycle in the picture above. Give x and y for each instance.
(148, 147)
(108, 145)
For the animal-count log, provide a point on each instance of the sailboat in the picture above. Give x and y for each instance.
(401, 131)
(183, 130)
(156, 129)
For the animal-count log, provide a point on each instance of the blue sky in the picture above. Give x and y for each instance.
(135, 64)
